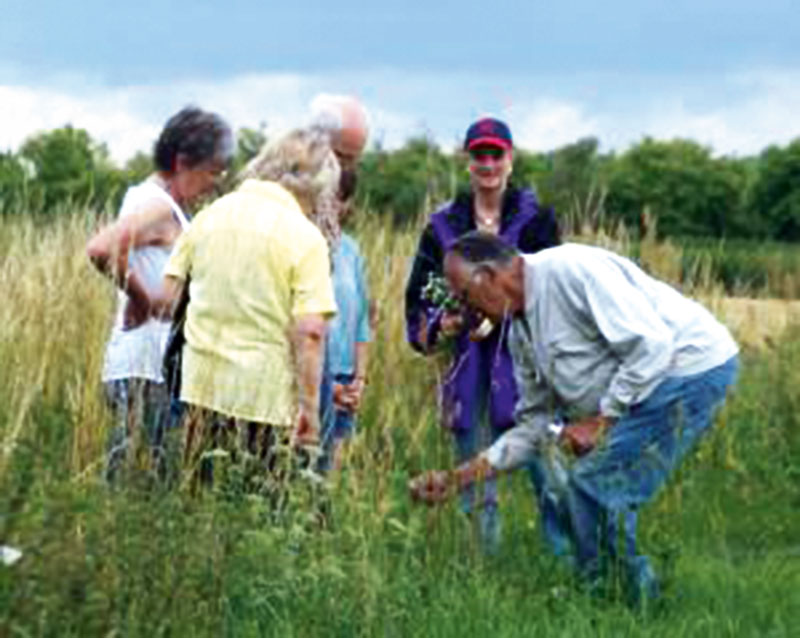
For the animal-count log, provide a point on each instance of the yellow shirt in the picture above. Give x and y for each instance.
(255, 262)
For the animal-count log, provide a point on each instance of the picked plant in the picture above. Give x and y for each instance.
(437, 292)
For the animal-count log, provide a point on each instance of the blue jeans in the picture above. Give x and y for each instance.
(636, 458)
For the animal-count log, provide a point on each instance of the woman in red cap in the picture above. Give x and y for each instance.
(479, 392)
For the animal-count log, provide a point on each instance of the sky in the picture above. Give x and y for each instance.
(725, 73)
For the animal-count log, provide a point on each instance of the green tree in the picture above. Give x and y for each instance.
(248, 143)
(139, 167)
(407, 182)
(572, 181)
(68, 166)
(532, 170)
(13, 183)
(776, 192)
(679, 183)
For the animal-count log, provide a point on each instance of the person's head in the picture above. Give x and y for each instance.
(485, 274)
(344, 118)
(192, 151)
(490, 150)
(302, 162)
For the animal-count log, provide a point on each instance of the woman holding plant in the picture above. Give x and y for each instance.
(479, 392)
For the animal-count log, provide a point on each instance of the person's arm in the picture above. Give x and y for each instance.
(313, 302)
(512, 450)
(308, 342)
(423, 322)
(437, 486)
(533, 414)
(109, 250)
(176, 275)
(535, 410)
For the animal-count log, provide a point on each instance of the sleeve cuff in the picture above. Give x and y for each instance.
(612, 407)
(517, 446)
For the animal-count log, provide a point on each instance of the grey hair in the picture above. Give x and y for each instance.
(196, 135)
(479, 249)
(327, 112)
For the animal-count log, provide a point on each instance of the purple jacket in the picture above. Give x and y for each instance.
(481, 375)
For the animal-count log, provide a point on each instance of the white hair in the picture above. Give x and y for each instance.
(327, 111)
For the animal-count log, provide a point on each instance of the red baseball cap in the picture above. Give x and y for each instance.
(488, 131)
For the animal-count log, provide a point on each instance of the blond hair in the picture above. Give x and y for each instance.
(303, 163)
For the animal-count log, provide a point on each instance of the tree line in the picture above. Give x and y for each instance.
(680, 183)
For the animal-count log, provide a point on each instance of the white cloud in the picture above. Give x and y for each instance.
(128, 119)
(107, 115)
(765, 113)
(549, 123)
(738, 113)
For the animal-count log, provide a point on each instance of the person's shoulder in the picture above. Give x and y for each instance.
(583, 261)
(302, 234)
(568, 256)
(216, 209)
(455, 208)
(575, 252)
(521, 199)
(451, 219)
(144, 197)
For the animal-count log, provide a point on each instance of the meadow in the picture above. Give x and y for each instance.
(142, 560)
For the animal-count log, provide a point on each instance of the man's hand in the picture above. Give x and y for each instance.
(431, 487)
(437, 486)
(583, 435)
(347, 397)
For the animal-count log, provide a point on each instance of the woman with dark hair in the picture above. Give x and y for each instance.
(193, 149)
(480, 385)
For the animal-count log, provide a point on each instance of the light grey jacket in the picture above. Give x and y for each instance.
(598, 335)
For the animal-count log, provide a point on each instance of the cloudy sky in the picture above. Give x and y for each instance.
(723, 72)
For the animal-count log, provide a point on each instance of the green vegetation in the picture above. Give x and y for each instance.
(716, 208)
(679, 182)
(143, 561)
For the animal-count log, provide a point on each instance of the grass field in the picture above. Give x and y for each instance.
(143, 561)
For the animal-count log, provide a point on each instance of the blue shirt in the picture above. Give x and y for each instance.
(351, 323)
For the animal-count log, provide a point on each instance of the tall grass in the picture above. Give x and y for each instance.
(143, 561)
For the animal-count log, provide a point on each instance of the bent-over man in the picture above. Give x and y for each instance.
(609, 361)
